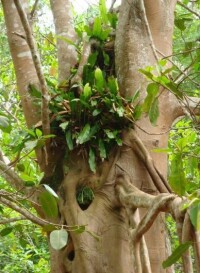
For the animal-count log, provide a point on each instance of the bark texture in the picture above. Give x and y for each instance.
(108, 245)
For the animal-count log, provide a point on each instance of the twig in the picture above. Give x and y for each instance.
(38, 67)
(189, 9)
(111, 6)
(11, 220)
(28, 215)
(34, 9)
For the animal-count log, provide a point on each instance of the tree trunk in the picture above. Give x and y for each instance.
(145, 28)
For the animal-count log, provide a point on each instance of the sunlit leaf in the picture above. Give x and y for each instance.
(50, 190)
(103, 11)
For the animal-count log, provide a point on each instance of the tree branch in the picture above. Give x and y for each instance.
(136, 145)
(189, 9)
(38, 67)
(11, 177)
(11, 220)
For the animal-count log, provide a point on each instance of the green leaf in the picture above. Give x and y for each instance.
(84, 134)
(49, 204)
(96, 112)
(64, 125)
(154, 112)
(31, 144)
(38, 132)
(6, 231)
(58, 239)
(69, 140)
(147, 72)
(176, 255)
(96, 31)
(93, 58)
(51, 191)
(177, 178)
(34, 92)
(195, 216)
(102, 149)
(92, 161)
(112, 85)
(120, 111)
(99, 79)
(5, 124)
(152, 91)
(110, 134)
(87, 91)
(103, 11)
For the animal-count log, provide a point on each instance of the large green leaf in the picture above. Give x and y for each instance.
(176, 255)
(97, 28)
(58, 239)
(49, 204)
(103, 11)
(152, 92)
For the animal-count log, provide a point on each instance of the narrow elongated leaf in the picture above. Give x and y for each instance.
(49, 204)
(176, 255)
(69, 140)
(97, 27)
(112, 85)
(87, 91)
(195, 216)
(58, 239)
(84, 134)
(99, 79)
(102, 149)
(92, 161)
(154, 112)
(103, 11)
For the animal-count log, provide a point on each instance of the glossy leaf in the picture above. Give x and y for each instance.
(50, 190)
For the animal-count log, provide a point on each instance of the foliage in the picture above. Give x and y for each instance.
(93, 121)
